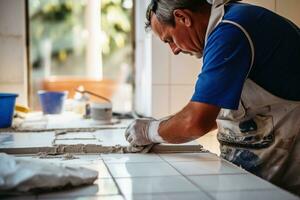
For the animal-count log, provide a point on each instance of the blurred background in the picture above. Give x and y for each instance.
(82, 43)
(101, 46)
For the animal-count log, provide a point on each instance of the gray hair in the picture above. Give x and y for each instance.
(163, 9)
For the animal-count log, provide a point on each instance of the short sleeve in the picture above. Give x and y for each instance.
(226, 63)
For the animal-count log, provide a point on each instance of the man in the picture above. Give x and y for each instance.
(249, 86)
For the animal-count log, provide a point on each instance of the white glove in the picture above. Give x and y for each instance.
(143, 132)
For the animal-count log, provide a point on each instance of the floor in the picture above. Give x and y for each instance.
(157, 176)
(39, 132)
(165, 176)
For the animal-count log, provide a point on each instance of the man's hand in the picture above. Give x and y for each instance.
(143, 132)
(137, 132)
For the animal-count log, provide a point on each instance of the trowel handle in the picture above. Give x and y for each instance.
(94, 94)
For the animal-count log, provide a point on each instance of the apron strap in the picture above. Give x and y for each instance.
(249, 40)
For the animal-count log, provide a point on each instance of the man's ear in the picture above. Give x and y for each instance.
(183, 17)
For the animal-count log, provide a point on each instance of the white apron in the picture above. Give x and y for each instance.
(263, 135)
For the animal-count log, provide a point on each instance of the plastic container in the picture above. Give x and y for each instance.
(7, 107)
(52, 102)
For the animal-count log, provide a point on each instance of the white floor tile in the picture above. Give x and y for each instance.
(130, 158)
(119, 170)
(101, 168)
(206, 167)
(255, 194)
(111, 137)
(188, 157)
(236, 182)
(23, 140)
(168, 196)
(149, 185)
(100, 187)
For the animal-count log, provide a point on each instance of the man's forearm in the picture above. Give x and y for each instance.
(187, 125)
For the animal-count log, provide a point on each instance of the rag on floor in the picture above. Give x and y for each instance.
(27, 174)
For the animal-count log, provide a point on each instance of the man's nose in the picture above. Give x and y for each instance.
(175, 49)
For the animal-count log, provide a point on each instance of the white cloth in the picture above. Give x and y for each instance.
(25, 174)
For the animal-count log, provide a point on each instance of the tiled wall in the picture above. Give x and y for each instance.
(13, 69)
(171, 78)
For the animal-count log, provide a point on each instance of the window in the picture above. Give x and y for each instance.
(88, 42)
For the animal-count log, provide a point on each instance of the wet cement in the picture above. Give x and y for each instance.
(91, 148)
(61, 149)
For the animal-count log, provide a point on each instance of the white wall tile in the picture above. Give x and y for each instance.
(184, 69)
(269, 4)
(16, 88)
(12, 56)
(289, 9)
(160, 101)
(160, 62)
(180, 96)
(12, 17)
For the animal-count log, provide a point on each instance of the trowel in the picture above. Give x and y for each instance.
(99, 112)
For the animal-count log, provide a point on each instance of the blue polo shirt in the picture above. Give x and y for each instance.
(227, 57)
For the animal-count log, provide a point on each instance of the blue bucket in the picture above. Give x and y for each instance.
(52, 102)
(7, 107)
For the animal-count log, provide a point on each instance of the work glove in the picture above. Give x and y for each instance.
(143, 131)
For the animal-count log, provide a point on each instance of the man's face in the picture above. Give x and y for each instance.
(181, 38)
